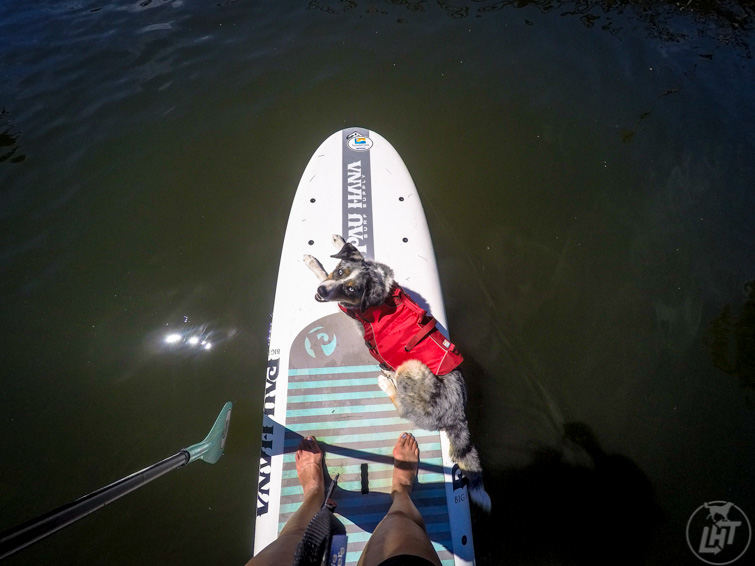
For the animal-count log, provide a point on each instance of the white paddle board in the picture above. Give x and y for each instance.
(321, 379)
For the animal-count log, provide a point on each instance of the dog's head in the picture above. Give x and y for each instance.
(355, 282)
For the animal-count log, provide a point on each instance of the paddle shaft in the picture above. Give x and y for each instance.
(22, 536)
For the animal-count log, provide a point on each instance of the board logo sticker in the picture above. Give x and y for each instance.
(357, 194)
(458, 479)
(358, 142)
(322, 339)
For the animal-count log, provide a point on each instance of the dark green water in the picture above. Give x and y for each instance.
(587, 170)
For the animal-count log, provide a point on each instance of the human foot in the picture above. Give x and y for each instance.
(309, 467)
(405, 463)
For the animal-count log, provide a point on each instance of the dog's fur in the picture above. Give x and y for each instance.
(431, 402)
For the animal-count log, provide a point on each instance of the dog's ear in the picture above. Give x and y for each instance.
(374, 292)
(349, 252)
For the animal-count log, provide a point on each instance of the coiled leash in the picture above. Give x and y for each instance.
(324, 541)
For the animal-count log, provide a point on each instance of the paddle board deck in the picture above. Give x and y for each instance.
(321, 379)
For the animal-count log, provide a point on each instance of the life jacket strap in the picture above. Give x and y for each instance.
(423, 332)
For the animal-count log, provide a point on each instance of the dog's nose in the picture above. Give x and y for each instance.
(322, 291)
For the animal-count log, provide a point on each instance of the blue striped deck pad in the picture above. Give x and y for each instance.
(382, 484)
(353, 469)
(291, 502)
(344, 409)
(356, 424)
(291, 443)
(376, 517)
(375, 423)
(374, 368)
(342, 395)
(330, 383)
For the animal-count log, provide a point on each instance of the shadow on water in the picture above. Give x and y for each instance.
(554, 511)
(732, 340)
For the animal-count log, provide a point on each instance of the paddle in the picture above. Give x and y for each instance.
(209, 450)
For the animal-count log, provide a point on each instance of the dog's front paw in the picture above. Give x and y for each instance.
(315, 266)
(387, 384)
(338, 241)
(313, 263)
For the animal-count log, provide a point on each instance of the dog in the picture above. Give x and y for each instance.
(418, 370)
(722, 510)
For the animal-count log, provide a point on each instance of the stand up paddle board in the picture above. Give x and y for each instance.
(321, 379)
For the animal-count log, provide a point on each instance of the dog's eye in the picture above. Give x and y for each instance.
(350, 289)
(340, 272)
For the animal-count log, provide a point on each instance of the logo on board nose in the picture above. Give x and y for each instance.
(718, 532)
(358, 142)
(324, 342)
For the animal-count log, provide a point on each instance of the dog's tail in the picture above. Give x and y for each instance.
(465, 454)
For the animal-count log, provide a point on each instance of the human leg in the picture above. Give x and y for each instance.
(309, 471)
(402, 530)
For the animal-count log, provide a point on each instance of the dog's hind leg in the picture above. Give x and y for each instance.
(316, 267)
(418, 391)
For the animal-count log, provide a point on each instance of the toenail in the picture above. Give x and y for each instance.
(403, 435)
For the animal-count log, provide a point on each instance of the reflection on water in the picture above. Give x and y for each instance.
(188, 338)
(194, 341)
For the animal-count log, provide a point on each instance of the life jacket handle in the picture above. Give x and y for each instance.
(423, 332)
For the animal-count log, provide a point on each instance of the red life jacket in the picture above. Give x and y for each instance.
(399, 330)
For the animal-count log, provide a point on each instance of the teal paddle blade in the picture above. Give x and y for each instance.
(211, 448)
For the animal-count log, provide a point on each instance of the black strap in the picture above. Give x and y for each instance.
(317, 538)
(323, 531)
(312, 546)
